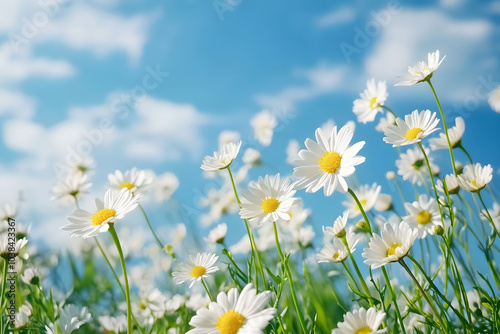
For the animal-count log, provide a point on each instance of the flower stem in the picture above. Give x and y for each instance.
(389, 110)
(444, 126)
(360, 209)
(127, 290)
(151, 227)
(394, 299)
(460, 146)
(4, 278)
(488, 213)
(290, 279)
(255, 251)
(206, 289)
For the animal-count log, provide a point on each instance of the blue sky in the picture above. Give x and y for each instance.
(74, 68)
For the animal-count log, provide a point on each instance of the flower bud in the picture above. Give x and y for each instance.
(439, 230)
(390, 175)
(362, 226)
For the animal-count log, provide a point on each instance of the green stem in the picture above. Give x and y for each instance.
(151, 228)
(206, 289)
(4, 278)
(460, 146)
(358, 272)
(488, 213)
(389, 110)
(444, 126)
(394, 299)
(290, 279)
(127, 290)
(360, 209)
(350, 275)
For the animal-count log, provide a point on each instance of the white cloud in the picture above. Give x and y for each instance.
(411, 34)
(452, 3)
(16, 104)
(336, 17)
(320, 80)
(21, 66)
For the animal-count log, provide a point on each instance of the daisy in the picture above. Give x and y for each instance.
(201, 265)
(82, 165)
(383, 203)
(422, 71)
(371, 101)
(221, 159)
(251, 157)
(8, 212)
(423, 215)
(30, 276)
(263, 125)
(494, 99)
(72, 317)
(386, 122)
(338, 229)
(394, 244)
(454, 133)
(228, 136)
(267, 200)
(165, 185)
(367, 196)
(116, 205)
(113, 324)
(233, 313)
(197, 301)
(23, 314)
(412, 165)
(328, 161)
(335, 250)
(217, 235)
(9, 249)
(451, 184)
(361, 321)
(413, 129)
(495, 215)
(72, 188)
(137, 181)
(474, 177)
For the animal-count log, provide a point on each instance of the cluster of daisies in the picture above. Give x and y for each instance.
(275, 279)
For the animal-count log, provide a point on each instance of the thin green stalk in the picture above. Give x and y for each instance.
(206, 289)
(151, 228)
(361, 209)
(389, 110)
(444, 126)
(255, 251)
(460, 146)
(433, 308)
(358, 272)
(350, 275)
(127, 290)
(394, 299)
(290, 279)
(4, 278)
(488, 213)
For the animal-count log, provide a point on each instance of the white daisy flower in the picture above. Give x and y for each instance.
(228, 136)
(137, 181)
(116, 205)
(494, 99)
(23, 314)
(292, 151)
(390, 175)
(422, 71)
(263, 125)
(386, 122)
(267, 200)
(82, 165)
(113, 324)
(455, 134)
(495, 215)
(371, 101)
(451, 184)
(233, 313)
(201, 265)
(174, 303)
(251, 157)
(335, 250)
(413, 129)
(338, 229)
(361, 321)
(8, 211)
(73, 317)
(8, 249)
(394, 244)
(221, 159)
(412, 165)
(217, 235)
(367, 196)
(165, 185)
(328, 161)
(197, 301)
(423, 215)
(474, 177)
(72, 188)
(30, 276)
(383, 203)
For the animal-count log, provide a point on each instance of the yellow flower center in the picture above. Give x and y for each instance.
(363, 203)
(392, 251)
(424, 217)
(373, 102)
(330, 162)
(230, 322)
(198, 271)
(336, 255)
(270, 205)
(413, 133)
(474, 183)
(102, 215)
(127, 185)
(364, 330)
